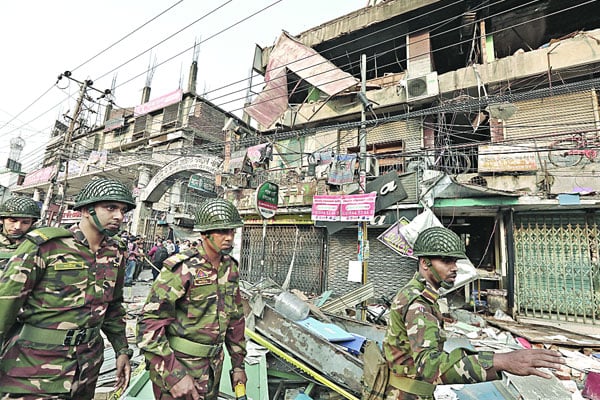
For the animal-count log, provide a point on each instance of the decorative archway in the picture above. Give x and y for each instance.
(156, 187)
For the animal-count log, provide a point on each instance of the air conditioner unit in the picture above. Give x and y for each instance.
(422, 87)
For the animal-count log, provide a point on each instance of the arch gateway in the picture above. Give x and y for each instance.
(178, 170)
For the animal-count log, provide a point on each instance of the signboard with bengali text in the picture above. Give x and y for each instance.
(352, 207)
(267, 198)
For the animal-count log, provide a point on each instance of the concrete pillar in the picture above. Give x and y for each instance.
(176, 197)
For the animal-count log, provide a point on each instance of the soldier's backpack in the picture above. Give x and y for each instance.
(160, 255)
(375, 373)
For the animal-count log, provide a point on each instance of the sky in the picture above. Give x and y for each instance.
(123, 38)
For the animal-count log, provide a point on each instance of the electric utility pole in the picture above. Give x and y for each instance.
(362, 175)
(62, 155)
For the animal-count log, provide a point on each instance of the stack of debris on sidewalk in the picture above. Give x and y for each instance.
(315, 348)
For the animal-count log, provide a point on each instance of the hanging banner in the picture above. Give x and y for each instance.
(352, 207)
(326, 208)
(358, 207)
(342, 169)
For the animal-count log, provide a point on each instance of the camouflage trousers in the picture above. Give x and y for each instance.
(30, 371)
(206, 373)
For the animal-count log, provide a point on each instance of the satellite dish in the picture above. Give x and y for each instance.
(502, 111)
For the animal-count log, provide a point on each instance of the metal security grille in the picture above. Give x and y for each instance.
(303, 247)
(557, 275)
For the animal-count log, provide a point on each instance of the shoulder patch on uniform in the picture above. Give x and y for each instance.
(42, 235)
(176, 259)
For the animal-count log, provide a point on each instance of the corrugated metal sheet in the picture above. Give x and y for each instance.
(290, 54)
(552, 115)
(386, 269)
(407, 131)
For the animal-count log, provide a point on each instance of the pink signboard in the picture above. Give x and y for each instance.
(352, 207)
(158, 103)
(39, 176)
(358, 207)
(326, 208)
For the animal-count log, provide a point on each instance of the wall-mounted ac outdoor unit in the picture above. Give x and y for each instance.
(421, 87)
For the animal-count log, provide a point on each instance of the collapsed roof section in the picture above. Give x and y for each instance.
(289, 55)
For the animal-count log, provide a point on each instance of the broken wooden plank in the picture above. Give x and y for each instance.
(546, 334)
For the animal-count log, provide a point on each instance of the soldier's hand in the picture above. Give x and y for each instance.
(238, 376)
(527, 362)
(123, 372)
(185, 389)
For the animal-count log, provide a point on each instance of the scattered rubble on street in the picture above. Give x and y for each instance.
(308, 358)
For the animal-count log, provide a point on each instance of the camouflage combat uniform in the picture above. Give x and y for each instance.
(414, 342)
(7, 249)
(59, 292)
(192, 306)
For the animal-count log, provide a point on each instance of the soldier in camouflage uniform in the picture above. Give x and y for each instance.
(414, 340)
(17, 216)
(193, 308)
(60, 289)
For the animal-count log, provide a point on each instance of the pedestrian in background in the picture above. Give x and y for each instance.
(193, 309)
(170, 246)
(58, 292)
(159, 255)
(414, 341)
(17, 216)
(133, 254)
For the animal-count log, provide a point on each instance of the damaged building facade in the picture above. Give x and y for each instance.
(485, 113)
(168, 149)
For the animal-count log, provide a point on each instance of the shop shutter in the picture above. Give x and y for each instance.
(308, 272)
(386, 269)
(557, 274)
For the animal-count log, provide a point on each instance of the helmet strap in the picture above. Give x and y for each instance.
(103, 230)
(12, 237)
(222, 252)
(436, 275)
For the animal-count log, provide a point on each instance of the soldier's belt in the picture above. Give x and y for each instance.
(412, 386)
(192, 348)
(70, 337)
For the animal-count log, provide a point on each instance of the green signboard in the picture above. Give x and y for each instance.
(202, 184)
(267, 197)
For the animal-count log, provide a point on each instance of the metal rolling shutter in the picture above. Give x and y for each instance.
(387, 270)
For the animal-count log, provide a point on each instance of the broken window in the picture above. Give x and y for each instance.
(451, 140)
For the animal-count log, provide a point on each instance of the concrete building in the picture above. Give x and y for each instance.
(488, 115)
(168, 149)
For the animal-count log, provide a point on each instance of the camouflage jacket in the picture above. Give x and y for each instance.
(415, 337)
(192, 300)
(7, 249)
(60, 284)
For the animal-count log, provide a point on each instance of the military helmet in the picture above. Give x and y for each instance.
(217, 214)
(20, 207)
(104, 189)
(439, 242)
